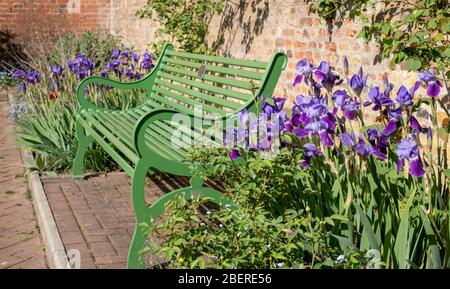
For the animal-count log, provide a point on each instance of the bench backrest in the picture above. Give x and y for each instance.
(219, 85)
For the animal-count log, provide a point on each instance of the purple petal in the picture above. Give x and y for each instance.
(340, 96)
(298, 80)
(234, 154)
(433, 89)
(400, 164)
(415, 168)
(325, 139)
(305, 164)
(300, 132)
(390, 128)
(320, 75)
(415, 124)
(429, 133)
(347, 139)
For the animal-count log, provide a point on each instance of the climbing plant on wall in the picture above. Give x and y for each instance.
(416, 32)
(184, 22)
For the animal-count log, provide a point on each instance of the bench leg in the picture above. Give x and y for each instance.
(147, 215)
(135, 258)
(84, 141)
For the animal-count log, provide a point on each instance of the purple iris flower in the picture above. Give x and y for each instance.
(147, 60)
(326, 76)
(322, 71)
(351, 110)
(22, 87)
(390, 128)
(395, 114)
(57, 70)
(379, 142)
(81, 66)
(434, 88)
(415, 125)
(347, 139)
(104, 74)
(405, 97)
(433, 84)
(234, 154)
(362, 148)
(358, 81)
(339, 97)
(303, 68)
(19, 74)
(115, 53)
(408, 150)
(378, 99)
(136, 57)
(310, 151)
(345, 65)
(325, 139)
(33, 77)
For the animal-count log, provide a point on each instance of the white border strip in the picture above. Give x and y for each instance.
(54, 248)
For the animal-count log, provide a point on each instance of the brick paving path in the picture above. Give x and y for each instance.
(20, 242)
(95, 215)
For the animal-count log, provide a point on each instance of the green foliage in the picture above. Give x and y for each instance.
(299, 218)
(415, 32)
(185, 22)
(94, 45)
(5, 79)
(46, 125)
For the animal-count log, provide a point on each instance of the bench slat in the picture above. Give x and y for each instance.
(210, 98)
(172, 104)
(207, 87)
(224, 70)
(113, 139)
(127, 124)
(189, 101)
(217, 79)
(120, 161)
(219, 59)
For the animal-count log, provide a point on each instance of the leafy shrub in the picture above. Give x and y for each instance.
(340, 192)
(414, 32)
(47, 93)
(185, 22)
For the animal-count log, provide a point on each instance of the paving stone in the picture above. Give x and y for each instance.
(102, 208)
(20, 242)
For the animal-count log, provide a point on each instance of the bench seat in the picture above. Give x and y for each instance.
(140, 139)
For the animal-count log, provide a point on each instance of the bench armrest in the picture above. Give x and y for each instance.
(85, 103)
(144, 122)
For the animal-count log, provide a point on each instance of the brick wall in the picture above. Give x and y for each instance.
(254, 29)
(249, 29)
(36, 24)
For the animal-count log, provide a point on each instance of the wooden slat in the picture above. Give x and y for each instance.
(207, 87)
(219, 59)
(154, 141)
(112, 138)
(172, 104)
(210, 98)
(225, 70)
(120, 161)
(118, 128)
(189, 101)
(217, 79)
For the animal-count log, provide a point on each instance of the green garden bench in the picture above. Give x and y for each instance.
(139, 139)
